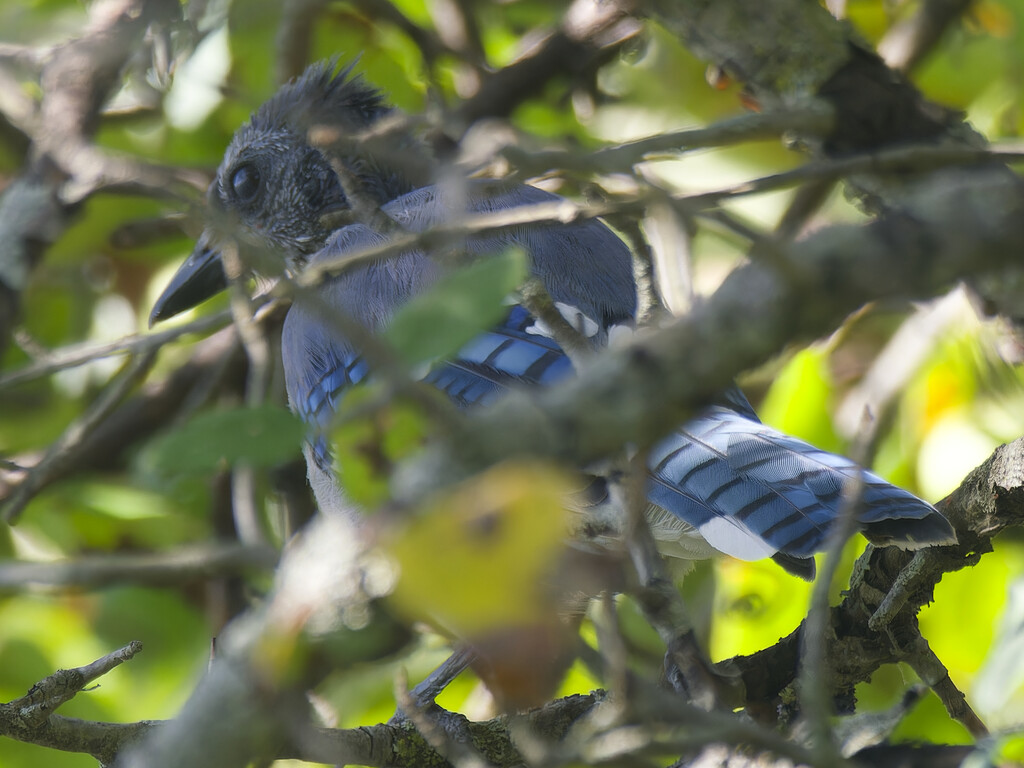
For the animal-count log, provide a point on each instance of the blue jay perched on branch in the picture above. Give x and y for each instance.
(723, 481)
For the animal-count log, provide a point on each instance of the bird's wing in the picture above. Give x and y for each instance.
(753, 492)
(510, 354)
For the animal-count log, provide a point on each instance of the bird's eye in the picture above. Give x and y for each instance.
(245, 182)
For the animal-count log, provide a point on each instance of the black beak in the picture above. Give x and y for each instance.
(198, 279)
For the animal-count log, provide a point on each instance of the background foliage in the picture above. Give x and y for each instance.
(98, 282)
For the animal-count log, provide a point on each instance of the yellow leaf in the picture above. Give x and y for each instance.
(479, 556)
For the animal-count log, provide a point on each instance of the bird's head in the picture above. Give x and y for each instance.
(275, 191)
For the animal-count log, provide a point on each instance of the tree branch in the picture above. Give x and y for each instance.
(152, 569)
(31, 717)
(957, 224)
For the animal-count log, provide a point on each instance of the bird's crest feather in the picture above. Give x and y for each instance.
(323, 94)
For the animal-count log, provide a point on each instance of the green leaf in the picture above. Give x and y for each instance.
(262, 436)
(457, 308)
(366, 448)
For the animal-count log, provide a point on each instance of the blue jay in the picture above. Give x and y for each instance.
(723, 481)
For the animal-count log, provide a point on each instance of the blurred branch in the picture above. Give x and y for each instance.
(151, 569)
(909, 40)
(815, 674)
(216, 364)
(64, 166)
(878, 390)
(457, 27)
(590, 30)
(76, 83)
(814, 120)
(294, 36)
(74, 437)
(80, 354)
(255, 341)
(566, 211)
(888, 161)
(427, 40)
(324, 608)
(807, 201)
(788, 52)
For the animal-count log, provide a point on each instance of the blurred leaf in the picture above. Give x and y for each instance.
(951, 448)
(367, 448)
(457, 308)
(1010, 750)
(122, 502)
(475, 558)
(262, 436)
(995, 18)
(91, 232)
(176, 646)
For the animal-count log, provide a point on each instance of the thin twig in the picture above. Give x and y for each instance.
(175, 567)
(73, 437)
(933, 672)
(563, 212)
(663, 606)
(815, 688)
(244, 505)
(48, 694)
(74, 355)
(670, 237)
(812, 120)
(648, 303)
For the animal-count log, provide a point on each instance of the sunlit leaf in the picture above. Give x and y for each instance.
(1011, 750)
(797, 402)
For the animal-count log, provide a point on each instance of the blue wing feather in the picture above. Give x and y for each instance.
(323, 396)
(507, 355)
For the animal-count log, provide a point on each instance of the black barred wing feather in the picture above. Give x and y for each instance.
(509, 354)
(753, 492)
